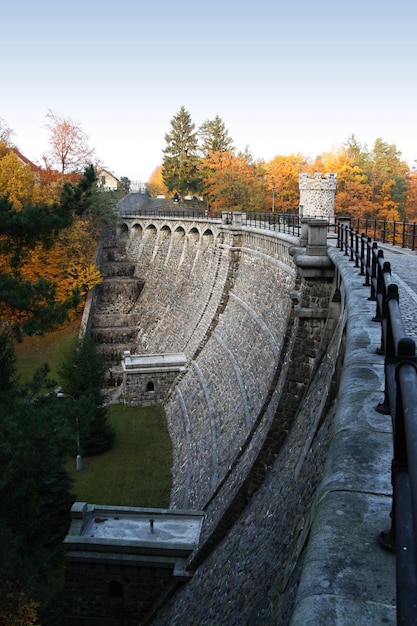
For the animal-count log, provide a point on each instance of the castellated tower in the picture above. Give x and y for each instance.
(317, 195)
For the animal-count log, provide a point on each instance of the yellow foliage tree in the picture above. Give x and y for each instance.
(388, 208)
(411, 199)
(19, 610)
(17, 180)
(354, 195)
(69, 264)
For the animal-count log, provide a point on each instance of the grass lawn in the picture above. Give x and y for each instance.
(137, 471)
(33, 352)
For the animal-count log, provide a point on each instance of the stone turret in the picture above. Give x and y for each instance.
(317, 195)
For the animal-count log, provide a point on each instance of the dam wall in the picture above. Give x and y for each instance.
(249, 418)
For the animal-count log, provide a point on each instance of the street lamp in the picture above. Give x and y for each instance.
(273, 198)
(79, 460)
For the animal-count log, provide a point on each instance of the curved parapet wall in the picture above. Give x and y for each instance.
(246, 421)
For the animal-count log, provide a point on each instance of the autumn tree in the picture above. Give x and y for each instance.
(282, 182)
(411, 199)
(17, 180)
(180, 166)
(32, 305)
(35, 487)
(69, 148)
(354, 191)
(388, 178)
(214, 137)
(155, 184)
(69, 264)
(232, 184)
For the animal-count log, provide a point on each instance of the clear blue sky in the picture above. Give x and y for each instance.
(284, 76)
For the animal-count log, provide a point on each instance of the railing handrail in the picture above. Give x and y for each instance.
(281, 222)
(400, 401)
(403, 234)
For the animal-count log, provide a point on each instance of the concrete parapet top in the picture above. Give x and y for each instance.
(133, 530)
(347, 578)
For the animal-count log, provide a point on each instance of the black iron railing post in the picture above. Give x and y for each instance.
(374, 269)
(362, 271)
(405, 482)
(356, 248)
(384, 268)
(368, 262)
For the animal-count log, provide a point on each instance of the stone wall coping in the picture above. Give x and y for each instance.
(346, 577)
(133, 530)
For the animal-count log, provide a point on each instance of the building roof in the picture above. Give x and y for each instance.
(25, 160)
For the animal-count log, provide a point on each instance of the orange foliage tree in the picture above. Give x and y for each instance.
(155, 184)
(281, 178)
(69, 150)
(231, 183)
(354, 193)
(69, 262)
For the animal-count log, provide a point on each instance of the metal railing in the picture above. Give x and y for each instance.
(402, 234)
(280, 222)
(400, 401)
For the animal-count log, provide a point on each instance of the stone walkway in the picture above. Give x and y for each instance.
(404, 273)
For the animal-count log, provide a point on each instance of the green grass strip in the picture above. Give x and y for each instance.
(137, 471)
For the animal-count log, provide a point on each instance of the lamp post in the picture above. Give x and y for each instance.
(273, 199)
(79, 459)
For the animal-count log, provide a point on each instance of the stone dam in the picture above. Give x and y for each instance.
(260, 318)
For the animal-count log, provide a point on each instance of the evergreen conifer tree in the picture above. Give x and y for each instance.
(82, 373)
(215, 137)
(180, 167)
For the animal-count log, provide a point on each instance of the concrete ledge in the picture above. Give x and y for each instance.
(347, 578)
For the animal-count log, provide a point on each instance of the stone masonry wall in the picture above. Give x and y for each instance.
(317, 195)
(249, 574)
(248, 431)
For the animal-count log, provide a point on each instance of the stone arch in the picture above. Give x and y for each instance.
(193, 236)
(179, 234)
(150, 385)
(123, 231)
(137, 231)
(207, 238)
(220, 238)
(164, 232)
(149, 232)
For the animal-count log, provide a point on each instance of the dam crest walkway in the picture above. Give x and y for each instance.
(347, 577)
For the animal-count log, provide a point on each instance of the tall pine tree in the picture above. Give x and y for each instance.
(82, 373)
(215, 137)
(180, 166)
